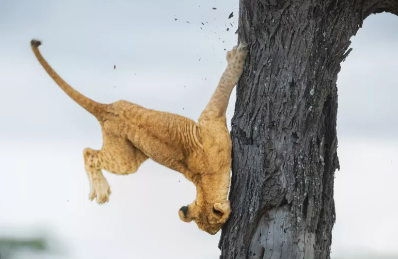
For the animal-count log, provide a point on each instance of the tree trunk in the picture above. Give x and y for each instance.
(284, 127)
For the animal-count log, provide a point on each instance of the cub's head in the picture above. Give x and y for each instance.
(209, 217)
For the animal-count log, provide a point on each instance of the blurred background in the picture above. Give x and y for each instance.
(169, 56)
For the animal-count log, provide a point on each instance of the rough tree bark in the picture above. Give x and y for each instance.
(284, 127)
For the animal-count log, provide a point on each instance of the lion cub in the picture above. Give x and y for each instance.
(132, 134)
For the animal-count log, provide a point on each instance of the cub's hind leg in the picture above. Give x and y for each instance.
(99, 185)
(118, 156)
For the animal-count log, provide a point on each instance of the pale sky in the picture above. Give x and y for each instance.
(171, 65)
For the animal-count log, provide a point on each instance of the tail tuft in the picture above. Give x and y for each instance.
(35, 43)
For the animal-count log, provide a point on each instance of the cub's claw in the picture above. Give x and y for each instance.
(242, 46)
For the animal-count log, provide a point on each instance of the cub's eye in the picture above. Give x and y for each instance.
(218, 213)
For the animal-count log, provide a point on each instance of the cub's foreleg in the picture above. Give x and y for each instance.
(217, 106)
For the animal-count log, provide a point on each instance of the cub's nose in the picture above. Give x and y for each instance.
(184, 210)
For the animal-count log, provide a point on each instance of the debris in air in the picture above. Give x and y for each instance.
(187, 22)
(114, 66)
(227, 29)
(175, 19)
(214, 8)
(231, 15)
(202, 23)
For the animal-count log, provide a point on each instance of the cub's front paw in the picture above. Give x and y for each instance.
(238, 53)
(231, 53)
(100, 189)
(236, 61)
(241, 52)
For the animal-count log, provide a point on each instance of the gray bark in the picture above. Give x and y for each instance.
(284, 127)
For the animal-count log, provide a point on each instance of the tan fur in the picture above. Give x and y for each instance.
(132, 134)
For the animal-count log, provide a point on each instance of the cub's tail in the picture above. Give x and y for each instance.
(97, 109)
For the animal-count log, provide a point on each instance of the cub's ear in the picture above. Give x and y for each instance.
(184, 214)
(222, 209)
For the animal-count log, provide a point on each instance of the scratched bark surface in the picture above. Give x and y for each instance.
(284, 127)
